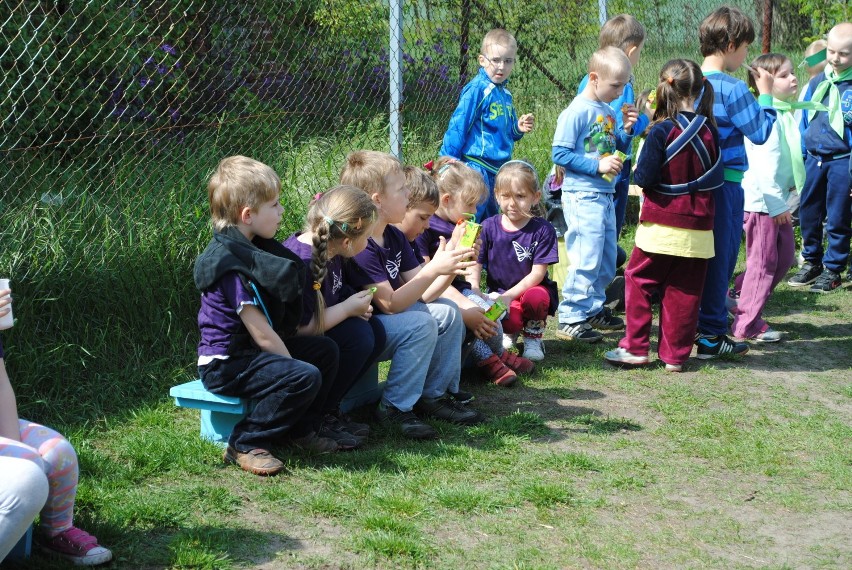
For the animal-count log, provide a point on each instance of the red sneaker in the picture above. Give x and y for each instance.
(495, 371)
(517, 363)
(75, 545)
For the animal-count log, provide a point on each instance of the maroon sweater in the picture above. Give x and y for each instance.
(677, 191)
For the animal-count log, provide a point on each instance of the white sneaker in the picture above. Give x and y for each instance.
(509, 340)
(621, 357)
(533, 349)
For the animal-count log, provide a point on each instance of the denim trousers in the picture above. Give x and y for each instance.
(770, 251)
(727, 235)
(825, 196)
(289, 393)
(590, 242)
(360, 343)
(445, 366)
(621, 196)
(679, 281)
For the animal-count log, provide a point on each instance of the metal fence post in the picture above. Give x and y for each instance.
(395, 78)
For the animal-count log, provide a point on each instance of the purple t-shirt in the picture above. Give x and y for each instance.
(428, 240)
(218, 318)
(380, 264)
(509, 256)
(332, 285)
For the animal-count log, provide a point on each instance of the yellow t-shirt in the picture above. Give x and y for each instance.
(680, 242)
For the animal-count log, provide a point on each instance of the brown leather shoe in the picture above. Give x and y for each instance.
(258, 461)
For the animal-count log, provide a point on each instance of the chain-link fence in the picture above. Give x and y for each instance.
(115, 111)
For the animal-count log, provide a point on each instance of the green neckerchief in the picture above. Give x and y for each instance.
(835, 117)
(791, 133)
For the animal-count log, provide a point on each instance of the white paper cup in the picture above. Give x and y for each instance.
(7, 320)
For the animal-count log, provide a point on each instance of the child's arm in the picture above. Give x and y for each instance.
(650, 161)
(536, 275)
(460, 122)
(261, 332)
(357, 305)
(526, 123)
(754, 119)
(472, 314)
(569, 126)
(8, 405)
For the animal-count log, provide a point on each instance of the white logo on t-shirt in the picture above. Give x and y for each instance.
(392, 266)
(336, 282)
(522, 252)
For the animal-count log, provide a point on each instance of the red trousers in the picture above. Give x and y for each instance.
(532, 305)
(680, 281)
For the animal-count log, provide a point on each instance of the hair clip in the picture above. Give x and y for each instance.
(429, 165)
(317, 196)
(317, 285)
(328, 220)
(670, 80)
(443, 169)
(344, 227)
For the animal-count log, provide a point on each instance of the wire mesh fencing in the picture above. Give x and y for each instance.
(115, 112)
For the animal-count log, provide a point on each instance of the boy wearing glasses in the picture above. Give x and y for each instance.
(484, 127)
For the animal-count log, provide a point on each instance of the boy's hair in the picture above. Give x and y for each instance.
(622, 31)
(608, 62)
(367, 169)
(523, 173)
(455, 178)
(239, 182)
(342, 212)
(682, 79)
(421, 187)
(498, 36)
(771, 62)
(724, 26)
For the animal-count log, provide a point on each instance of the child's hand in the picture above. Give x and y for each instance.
(763, 79)
(526, 123)
(558, 175)
(781, 219)
(475, 320)
(450, 261)
(5, 299)
(610, 164)
(629, 115)
(358, 305)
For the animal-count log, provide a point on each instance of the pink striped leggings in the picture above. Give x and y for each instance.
(57, 458)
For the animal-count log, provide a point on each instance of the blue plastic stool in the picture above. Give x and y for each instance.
(24, 547)
(219, 414)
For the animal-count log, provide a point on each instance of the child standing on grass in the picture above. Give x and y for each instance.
(251, 305)
(584, 144)
(770, 245)
(517, 248)
(679, 167)
(827, 137)
(28, 453)
(627, 34)
(337, 227)
(460, 189)
(428, 366)
(485, 126)
(725, 35)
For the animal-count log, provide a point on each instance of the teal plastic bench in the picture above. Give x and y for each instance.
(22, 549)
(219, 414)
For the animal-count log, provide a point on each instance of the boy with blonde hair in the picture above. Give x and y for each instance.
(251, 304)
(485, 126)
(827, 137)
(725, 35)
(585, 144)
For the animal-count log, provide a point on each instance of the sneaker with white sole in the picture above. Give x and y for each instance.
(581, 331)
(75, 545)
(509, 340)
(674, 367)
(606, 321)
(533, 348)
(806, 275)
(710, 346)
(769, 335)
(827, 282)
(621, 357)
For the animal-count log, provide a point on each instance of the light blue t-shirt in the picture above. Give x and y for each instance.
(588, 130)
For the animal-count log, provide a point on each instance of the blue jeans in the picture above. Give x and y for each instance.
(727, 236)
(410, 342)
(445, 365)
(489, 207)
(360, 343)
(825, 196)
(622, 188)
(590, 242)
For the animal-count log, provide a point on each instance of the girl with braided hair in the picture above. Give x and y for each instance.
(337, 227)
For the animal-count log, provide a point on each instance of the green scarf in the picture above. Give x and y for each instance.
(791, 135)
(835, 117)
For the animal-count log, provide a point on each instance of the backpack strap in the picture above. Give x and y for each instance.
(689, 136)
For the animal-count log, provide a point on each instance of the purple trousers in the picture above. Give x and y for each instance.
(679, 281)
(770, 250)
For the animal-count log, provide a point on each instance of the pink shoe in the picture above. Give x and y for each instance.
(75, 545)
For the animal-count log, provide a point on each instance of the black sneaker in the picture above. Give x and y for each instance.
(715, 346)
(353, 427)
(581, 331)
(408, 422)
(606, 321)
(449, 411)
(333, 429)
(461, 397)
(827, 282)
(806, 275)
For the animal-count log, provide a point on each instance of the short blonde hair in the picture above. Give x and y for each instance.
(239, 182)
(368, 169)
(622, 31)
(421, 187)
(609, 62)
(456, 179)
(500, 37)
